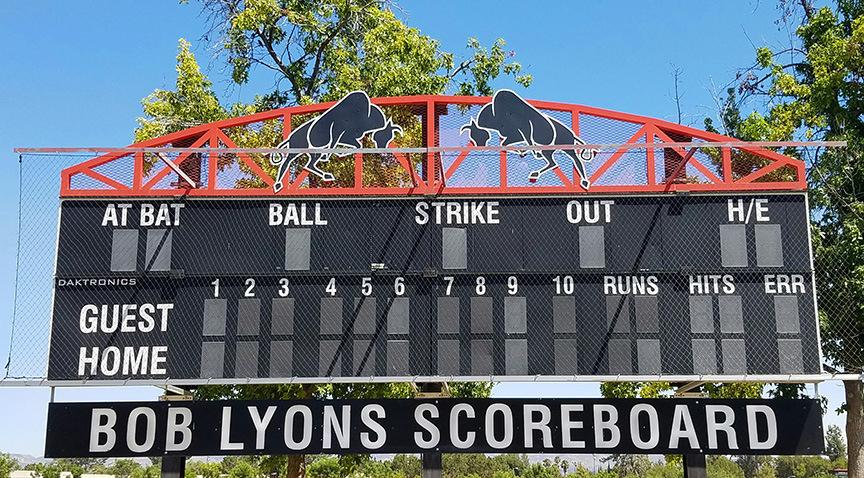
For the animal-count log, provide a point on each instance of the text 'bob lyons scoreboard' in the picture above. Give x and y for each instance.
(217, 428)
(223, 291)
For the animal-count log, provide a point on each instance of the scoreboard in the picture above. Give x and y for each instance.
(509, 288)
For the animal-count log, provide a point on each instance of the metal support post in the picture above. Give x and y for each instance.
(432, 460)
(432, 465)
(694, 466)
(173, 466)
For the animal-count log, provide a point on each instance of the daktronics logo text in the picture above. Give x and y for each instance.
(125, 281)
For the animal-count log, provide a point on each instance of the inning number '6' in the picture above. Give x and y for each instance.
(398, 286)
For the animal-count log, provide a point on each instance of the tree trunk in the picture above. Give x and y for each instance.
(296, 466)
(855, 426)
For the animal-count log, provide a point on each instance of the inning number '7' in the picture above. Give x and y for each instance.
(480, 285)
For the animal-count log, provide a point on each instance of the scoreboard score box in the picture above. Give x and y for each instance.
(271, 290)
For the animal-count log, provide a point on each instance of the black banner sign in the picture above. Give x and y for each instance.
(239, 291)
(771, 427)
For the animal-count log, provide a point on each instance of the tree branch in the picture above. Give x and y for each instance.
(267, 42)
(807, 6)
(319, 54)
(462, 67)
(769, 75)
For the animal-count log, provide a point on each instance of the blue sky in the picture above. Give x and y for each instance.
(74, 73)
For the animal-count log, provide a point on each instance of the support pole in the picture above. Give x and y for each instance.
(694, 466)
(432, 460)
(173, 466)
(432, 465)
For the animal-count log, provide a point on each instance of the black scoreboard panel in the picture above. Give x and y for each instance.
(198, 290)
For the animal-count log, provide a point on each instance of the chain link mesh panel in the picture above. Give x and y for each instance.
(620, 247)
(38, 210)
(555, 288)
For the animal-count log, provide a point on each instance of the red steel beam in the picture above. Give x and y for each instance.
(435, 179)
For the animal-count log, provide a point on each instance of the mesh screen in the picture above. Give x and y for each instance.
(598, 251)
(555, 288)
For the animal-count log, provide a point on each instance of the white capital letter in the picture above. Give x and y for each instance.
(426, 424)
(601, 425)
(178, 426)
(454, 425)
(332, 425)
(380, 432)
(682, 427)
(261, 424)
(752, 431)
(99, 429)
(226, 443)
(542, 425)
(149, 432)
(653, 426)
(725, 426)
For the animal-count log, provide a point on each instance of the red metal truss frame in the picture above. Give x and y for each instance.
(434, 178)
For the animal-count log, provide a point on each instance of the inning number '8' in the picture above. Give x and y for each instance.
(480, 285)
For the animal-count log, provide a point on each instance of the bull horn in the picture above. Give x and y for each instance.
(397, 128)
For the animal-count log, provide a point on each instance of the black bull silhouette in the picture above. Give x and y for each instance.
(343, 125)
(519, 123)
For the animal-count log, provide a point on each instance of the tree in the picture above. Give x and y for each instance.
(324, 467)
(803, 467)
(753, 465)
(721, 467)
(814, 89)
(579, 471)
(50, 470)
(666, 390)
(766, 470)
(191, 103)
(538, 470)
(204, 469)
(669, 469)
(632, 466)
(124, 468)
(244, 469)
(154, 471)
(7, 465)
(462, 465)
(320, 50)
(408, 465)
(835, 444)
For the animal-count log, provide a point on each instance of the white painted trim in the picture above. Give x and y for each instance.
(177, 170)
(792, 378)
(442, 149)
(813, 281)
(455, 197)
